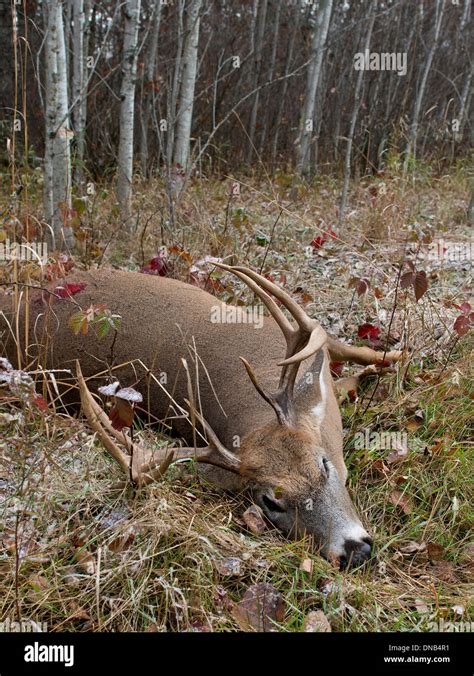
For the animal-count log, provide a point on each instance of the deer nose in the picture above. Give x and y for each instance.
(356, 552)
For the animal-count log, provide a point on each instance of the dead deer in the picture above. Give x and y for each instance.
(269, 433)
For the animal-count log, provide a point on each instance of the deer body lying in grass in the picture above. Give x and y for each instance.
(267, 431)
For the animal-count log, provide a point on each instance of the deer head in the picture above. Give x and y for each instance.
(294, 475)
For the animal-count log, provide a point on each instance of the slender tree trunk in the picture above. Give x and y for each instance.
(79, 95)
(175, 87)
(127, 109)
(261, 15)
(271, 71)
(57, 161)
(286, 82)
(186, 99)
(312, 82)
(149, 86)
(355, 113)
(410, 150)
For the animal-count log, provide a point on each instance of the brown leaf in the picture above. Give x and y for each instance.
(378, 467)
(316, 621)
(261, 606)
(78, 612)
(412, 547)
(253, 517)
(397, 455)
(420, 284)
(421, 607)
(444, 571)
(39, 586)
(123, 540)
(435, 551)
(85, 561)
(467, 554)
(121, 414)
(401, 500)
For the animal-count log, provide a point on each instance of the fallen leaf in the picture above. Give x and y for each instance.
(261, 606)
(221, 599)
(231, 566)
(85, 560)
(467, 554)
(412, 547)
(253, 517)
(316, 621)
(397, 455)
(421, 607)
(78, 613)
(435, 551)
(123, 540)
(444, 571)
(307, 565)
(39, 586)
(401, 500)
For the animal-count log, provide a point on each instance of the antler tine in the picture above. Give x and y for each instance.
(301, 342)
(272, 307)
(269, 398)
(229, 460)
(299, 315)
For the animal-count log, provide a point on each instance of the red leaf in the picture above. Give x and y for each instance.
(69, 289)
(40, 402)
(462, 325)
(368, 331)
(406, 280)
(420, 284)
(121, 414)
(336, 368)
(157, 265)
(362, 286)
(318, 242)
(465, 308)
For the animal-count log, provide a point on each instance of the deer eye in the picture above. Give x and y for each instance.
(326, 467)
(271, 505)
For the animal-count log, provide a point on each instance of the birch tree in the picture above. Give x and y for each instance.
(314, 75)
(355, 113)
(410, 151)
(79, 95)
(127, 108)
(57, 159)
(188, 83)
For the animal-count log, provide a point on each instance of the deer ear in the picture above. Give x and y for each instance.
(312, 390)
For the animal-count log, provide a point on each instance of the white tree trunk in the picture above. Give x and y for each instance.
(186, 99)
(127, 109)
(57, 162)
(312, 82)
(79, 95)
(410, 150)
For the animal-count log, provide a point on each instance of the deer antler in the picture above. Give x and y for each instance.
(302, 341)
(134, 466)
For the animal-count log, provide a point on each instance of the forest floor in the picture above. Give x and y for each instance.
(177, 555)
